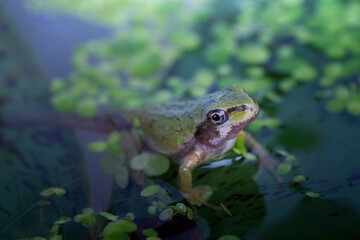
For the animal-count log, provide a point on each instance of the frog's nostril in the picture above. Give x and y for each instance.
(240, 108)
(245, 108)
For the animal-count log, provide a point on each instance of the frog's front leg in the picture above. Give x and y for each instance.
(191, 161)
(265, 161)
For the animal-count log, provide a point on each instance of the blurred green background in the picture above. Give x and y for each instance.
(299, 59)
(166, 49)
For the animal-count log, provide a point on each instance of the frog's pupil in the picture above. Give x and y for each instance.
(216, 117)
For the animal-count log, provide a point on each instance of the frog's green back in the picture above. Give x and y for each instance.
(171, 127)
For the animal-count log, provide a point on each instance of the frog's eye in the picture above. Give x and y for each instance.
(217, 116)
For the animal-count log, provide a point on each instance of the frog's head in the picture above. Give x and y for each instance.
(225, 114)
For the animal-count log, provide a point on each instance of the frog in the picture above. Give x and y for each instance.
(190, 132)
(194, 131)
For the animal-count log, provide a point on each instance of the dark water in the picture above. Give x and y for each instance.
(37, 156)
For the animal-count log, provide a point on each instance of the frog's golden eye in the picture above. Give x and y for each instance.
(217, 116)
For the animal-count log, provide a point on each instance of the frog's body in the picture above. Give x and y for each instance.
(194, 131)
(190, 132)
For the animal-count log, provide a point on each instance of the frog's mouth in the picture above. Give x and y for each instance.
(235, 129)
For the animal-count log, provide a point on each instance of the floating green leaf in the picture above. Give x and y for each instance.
(267, 122)
(97, 146)
(153, 238)
(157, 165)
(152, 164)
(113, 148)
(121, 176)
(43, 203)
(152, 210)
(160, 205)
(334, 70)
(86, 108)
(150, 232)
(190, 213)
(299, 178)
(88, 210)
(166, 214)
(108, 216)
(340, 100)
(63, 220)
(139, 162)
(186, 41)
(353, 105)
(255, 72)
(56, 237)
(273, 97)
(287, 84)
(224, 70)
(239, 147)
(120, 226)
(204, 78)
(117, 236)
(150, 190)
(64, 102)
(313, 194)
(87, 220)
(129, 216)
(253, 54)
(283, 168)
(217, 54)
(54, 229)
(229, 237)
(114, 137)
(58, 85)
(304, 72)
(52, 191)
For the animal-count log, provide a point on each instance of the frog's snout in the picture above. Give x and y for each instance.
(252, 110)
(255, 109)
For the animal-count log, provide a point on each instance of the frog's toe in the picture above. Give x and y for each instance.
(198, 195)
(194, 198)
(205, 191)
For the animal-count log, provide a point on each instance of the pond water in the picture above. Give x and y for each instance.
(36, 154)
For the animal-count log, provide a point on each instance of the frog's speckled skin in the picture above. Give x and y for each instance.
(183, 131)
(171, 128)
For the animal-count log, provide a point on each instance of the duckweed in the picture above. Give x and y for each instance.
(313, 194)
(166, 214)
(150, 232)
(299, 178)
(229, 237)
(108, 216)
(119, 226)
(152, 164)
(283, 168)
(52, 191)
(150, 190)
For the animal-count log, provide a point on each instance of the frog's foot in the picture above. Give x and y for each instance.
(268, 164)
(198, 195)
